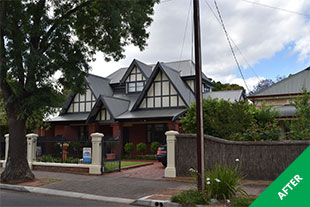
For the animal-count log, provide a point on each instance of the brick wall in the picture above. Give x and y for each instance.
(264, 160)
(75, 170)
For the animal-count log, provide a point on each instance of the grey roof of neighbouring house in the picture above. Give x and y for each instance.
(290, 85)
(232, 96)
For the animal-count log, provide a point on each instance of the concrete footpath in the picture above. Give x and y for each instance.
(134, 186)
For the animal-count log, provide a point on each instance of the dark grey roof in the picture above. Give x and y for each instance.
(145, 69)
(115, 106)
(286, 111)
(232, 96)
(152, 113)
(99, 86)
(117, 75)
(290, 85)
(185, 67)
(70, 117)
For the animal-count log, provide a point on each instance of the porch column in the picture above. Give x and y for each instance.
(170, 171)
(31, 148)
(7, 137)
(96, 139)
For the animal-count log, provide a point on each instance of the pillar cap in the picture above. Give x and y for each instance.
(97, 134)
(7, 135)
(171, 133)
(32, 135)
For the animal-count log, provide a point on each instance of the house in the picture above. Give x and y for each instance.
(138, 104)
(232, 95)
(281, 94)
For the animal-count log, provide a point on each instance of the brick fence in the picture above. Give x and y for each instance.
(262, 160)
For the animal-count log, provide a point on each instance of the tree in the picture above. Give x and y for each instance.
(300, 128)
(262, 85)
(39, 38)
(226, 86)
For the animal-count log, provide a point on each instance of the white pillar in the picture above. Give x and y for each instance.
(96, 139)
(170, 171)
(31, 148)
(6, 155)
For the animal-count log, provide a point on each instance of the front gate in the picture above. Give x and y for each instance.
(111, 154)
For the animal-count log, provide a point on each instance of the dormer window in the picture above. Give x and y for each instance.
(135, 81)
(82, 102)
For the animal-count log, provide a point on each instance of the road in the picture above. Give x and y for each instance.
(14, 198)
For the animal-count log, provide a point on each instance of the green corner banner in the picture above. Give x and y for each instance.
(291, 188)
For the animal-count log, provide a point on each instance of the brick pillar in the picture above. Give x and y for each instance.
(171, 125)
(177, 125)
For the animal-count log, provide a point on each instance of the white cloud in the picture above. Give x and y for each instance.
(259, 32)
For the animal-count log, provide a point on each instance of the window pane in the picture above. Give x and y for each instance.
(103, 114)
(131, 87)
(165, 88)
(174, 101)
(132, 77)
(88, 106)
(157, 102)
(165, 101)
(76, 107)
(82, 107)
(150, 103)
(139, 77)
(139, 86)
(157, 89)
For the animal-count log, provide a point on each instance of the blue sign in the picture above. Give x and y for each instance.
(87, 154)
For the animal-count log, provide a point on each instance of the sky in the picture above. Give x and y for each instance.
(272, 42)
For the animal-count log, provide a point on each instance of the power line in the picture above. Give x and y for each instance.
(273, 7)
(246, 61)
(186, 24)
(231, 48)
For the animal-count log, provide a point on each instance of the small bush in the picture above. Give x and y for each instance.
(222, 182)
(129, 147)
(141, 147)
(154, 146)
(190, 197)
(47, 158)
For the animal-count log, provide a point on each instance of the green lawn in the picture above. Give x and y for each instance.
(113, 165)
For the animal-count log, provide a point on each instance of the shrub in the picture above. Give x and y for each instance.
(190, 197)
(222, 182)
(241, 202)
(47, 158)
(129, 147)
(154, 146)
(141, 147)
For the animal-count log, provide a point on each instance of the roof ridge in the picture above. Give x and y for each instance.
(97, 76)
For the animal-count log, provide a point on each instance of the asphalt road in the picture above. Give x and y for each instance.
(14, 198)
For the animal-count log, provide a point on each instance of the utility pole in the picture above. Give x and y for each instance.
(199, 115)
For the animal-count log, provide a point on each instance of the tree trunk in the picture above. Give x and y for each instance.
(17, 169)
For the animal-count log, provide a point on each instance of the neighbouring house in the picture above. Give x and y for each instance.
(232, 95)
(138, 104)
(281, 94)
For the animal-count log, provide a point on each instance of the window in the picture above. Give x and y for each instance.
(103, 115)
(161, 94)
(82, 102)
(156, 133)
(135, 81)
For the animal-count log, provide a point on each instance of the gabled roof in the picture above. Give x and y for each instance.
(232, 96)
(183, 90)
(99, 85)
(145, 69)
(290, 85)
(115, 106)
